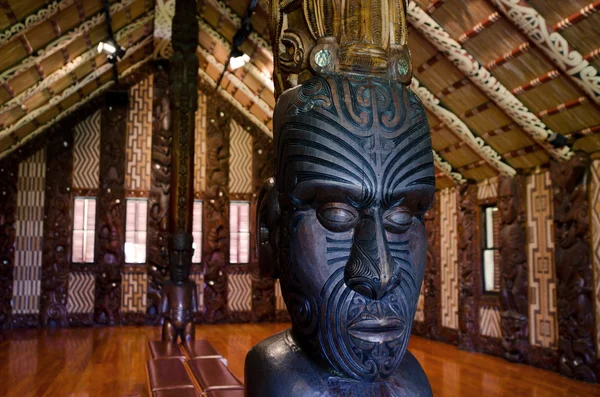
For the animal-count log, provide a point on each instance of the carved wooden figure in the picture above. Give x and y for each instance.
(513, 279)
(577, 355)
(178, 302)
(341, 224)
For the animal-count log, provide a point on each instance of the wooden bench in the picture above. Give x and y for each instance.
(163, 349)
(214, 378)
(202, 349)
(169, 375)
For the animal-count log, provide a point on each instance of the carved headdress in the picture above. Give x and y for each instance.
(363, 37)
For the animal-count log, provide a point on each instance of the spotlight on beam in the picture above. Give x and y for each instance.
(113, 51)
(238, 62)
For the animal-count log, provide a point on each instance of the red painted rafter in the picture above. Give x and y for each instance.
(551, 75)
(563, 107)
(480, 27)
(430, 62)
(499, 131)
(478, 109)
(456, 86)
(521, 152)
(521, 49)
(579, 16)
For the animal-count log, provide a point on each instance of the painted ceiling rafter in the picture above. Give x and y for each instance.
(483, 79)
(61, 42)
(70, 90)
(73, 65)
(529, 21)
(458, 127)
(98, 91)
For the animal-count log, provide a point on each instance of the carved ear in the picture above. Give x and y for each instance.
(267, 230)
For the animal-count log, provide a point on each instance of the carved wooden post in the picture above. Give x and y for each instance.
(110, 212)
(216, 212)
(158, 205)
(183, 92)
(432, 272)
(469, 265)
(8, 208)
(58, 230)
(263, 290)
(577, 355)
(513, 269)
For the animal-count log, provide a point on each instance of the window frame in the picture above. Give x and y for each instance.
(484, 248)
(127, 201)
(86, 199)
(198, 251)
(246, 204)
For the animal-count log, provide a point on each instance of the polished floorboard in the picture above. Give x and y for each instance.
(92, 362)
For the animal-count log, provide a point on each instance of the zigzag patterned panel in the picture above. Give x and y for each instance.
(279, 302)
(139, 136)
(86, 153)
(81, 293)
(239, 292)
(543, 323)
(200, 146)
(198, 278)
(29, 234)
(489, 322)
(240, 160)
(595, 238)
(134, 292)
(487, 189)
(449, 257)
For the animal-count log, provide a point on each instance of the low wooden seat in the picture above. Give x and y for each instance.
(177, 393)
(214, 378)
(164, 349)
(196, 349)
(168, 374)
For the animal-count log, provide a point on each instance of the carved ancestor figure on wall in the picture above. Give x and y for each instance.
(178, 302)
(513, 280)
(341, 224)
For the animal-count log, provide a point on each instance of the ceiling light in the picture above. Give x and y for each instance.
(238, 62)
(112, 51)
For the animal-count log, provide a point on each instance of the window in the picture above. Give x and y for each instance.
(197, 231)
(239, 232)
(491, 253)
(84, 230)
(135, 230)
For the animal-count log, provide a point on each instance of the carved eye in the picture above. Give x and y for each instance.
(337, 217)
(398, 221)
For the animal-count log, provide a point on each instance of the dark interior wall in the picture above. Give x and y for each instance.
(546, 312)
(114, 150)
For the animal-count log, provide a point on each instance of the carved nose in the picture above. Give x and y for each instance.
(371, 270)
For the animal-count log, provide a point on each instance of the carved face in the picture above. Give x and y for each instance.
(180, 256)
(355, 177)
(507, 202)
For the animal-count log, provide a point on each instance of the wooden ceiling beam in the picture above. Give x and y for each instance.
(477, 109)
(70, 67)
(452, 148)
(461, 130)
(515, 53)
(563, 107)
(521, 152)
(61, 42)
(592, 55)
(434, 6)
(435, 58)
(447, 170)
(479, 28)
(585, 132)
(483, 79)
(453, 87)
(529, 21)
(10, 14)
(545, 78)
(74, 107)
(499, 131)
(73, 88)
(472, 166)
(577, 17)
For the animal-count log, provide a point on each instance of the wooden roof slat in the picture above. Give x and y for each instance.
(481, 77)
(521, 49)
(592, 55)
(577, 17)
(569, 60)
(585, 132)
(478, 28)
(563, 107)
(455, 86)
(447, 169)
(429, 62)
(95, 93)
(551, 75)
(434, 6)
(456, 125)
(74, 64)
(90, 77)
(521, 152)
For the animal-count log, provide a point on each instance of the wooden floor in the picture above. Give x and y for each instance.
(110, 362)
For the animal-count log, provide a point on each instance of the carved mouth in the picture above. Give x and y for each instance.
(378, 331)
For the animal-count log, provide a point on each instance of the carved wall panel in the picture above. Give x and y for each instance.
(449, 257)
(200, 147)
(8, 211)
(263, 291)
(110, 210)
(158, 202)
(216, 212)
(139, 137)
(29, 227)
(239, 292)
(240, 160)
(577, 353)
(469, 261)
(514, 273)
(58, 229)
(489, 322)
(595, 239)
(133, 296)
(540, 261)
(86, 153)
(81, 293)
